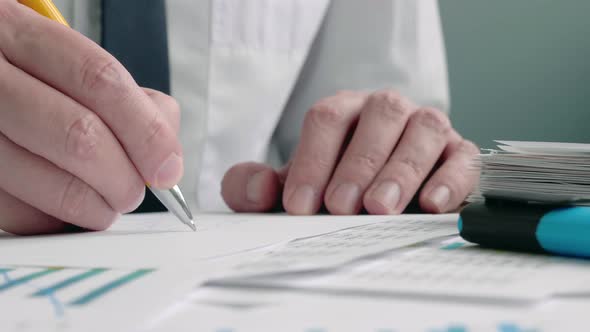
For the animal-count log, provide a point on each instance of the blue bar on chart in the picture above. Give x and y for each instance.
(452, 328)
(453, 246)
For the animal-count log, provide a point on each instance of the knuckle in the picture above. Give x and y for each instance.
(314, 165)
(173, 104)
(309, 170)
(73, 199)
(167, 105)
(368, 161)
(173, 107)
(103, 74)
(389, 105)
(433, 119)
(409, 165)
(163, 100)
(83, 137)
(156, 130)
(325, 113)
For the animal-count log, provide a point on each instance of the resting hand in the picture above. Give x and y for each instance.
(358, 150)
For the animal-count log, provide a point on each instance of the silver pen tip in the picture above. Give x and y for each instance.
(187, 218)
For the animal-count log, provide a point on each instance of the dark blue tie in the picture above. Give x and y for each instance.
(134, 31)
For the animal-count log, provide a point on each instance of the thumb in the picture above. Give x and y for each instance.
(251, 187)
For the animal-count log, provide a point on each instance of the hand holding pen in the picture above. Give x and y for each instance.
(78, 138)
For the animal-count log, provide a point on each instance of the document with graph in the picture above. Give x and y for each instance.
(60, 298)
(68, 282)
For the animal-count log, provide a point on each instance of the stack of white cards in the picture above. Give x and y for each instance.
(544, 172)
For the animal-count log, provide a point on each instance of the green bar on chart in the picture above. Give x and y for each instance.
(105, 289)
(68, 282)
(29, 277)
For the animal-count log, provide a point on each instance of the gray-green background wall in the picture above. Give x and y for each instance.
(519, 69)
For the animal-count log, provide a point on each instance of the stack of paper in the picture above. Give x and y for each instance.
(543, 172)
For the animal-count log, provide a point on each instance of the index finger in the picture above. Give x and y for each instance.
(76, 66)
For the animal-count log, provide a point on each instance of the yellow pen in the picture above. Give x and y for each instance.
(45, 8)
(172, 199)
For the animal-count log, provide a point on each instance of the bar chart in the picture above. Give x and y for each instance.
(61, 288)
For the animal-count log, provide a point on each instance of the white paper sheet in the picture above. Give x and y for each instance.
(217, 310)
(544, 147)
(159, 240)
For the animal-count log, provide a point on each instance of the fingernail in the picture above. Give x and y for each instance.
(254, 187)
(170, 171)
(440, 197)
(136, 204)
(387, 194)
(302, 201)
(346, 197)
